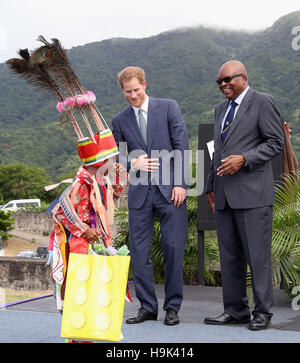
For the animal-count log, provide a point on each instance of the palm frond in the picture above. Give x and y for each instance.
(286, 231)
(288, 191)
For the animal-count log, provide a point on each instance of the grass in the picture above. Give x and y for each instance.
(9, 295)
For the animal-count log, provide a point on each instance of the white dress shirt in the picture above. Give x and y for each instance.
(238, 100)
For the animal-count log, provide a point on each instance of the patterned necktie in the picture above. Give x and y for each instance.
(228, 121)
(143, 126)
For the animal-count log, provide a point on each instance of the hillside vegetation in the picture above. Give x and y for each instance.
(181, 64)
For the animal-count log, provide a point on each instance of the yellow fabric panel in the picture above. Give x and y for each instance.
(95, 297)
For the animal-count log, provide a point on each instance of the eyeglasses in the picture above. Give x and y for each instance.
(227, 79)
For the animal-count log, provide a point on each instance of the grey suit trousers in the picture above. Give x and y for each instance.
(244, 237)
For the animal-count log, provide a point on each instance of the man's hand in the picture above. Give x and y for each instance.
(178, 196)
(231, 165)
(91, 234)
(211, 201)
(145, 164)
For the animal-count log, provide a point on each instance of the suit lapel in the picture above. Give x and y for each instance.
(240, 113)
(152, 120)
(133, 126)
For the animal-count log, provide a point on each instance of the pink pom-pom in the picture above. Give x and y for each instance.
(80, 100)
(69, 102)
(66, 105)
(60, 108)
(85, 98)
(92, 97)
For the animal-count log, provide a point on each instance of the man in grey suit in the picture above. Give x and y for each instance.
(156, 138)
(248, 134)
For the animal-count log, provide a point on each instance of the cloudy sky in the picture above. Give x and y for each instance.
(77, 22)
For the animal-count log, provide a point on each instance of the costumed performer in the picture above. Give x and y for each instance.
(82, 215)
(85, 209)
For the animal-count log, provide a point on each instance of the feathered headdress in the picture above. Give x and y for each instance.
(49, 69)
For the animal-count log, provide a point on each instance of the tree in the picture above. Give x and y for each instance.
(6, 224)
(20, 181)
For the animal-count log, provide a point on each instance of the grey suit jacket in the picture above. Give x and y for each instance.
(257, 133)
(166, 132)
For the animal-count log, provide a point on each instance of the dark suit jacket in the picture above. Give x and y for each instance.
(166, 132)
(257, 133)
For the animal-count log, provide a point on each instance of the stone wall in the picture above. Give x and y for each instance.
(25, 273)
(30, 273)
(35, 222)
(39, 222)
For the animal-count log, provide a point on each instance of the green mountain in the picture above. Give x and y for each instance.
(181, 64)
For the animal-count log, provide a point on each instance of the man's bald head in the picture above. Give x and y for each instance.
(236, 73)
(234, 66)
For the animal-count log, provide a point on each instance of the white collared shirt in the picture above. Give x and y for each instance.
(144, 109)
(238, 100)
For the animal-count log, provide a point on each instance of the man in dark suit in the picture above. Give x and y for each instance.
(156, 138)
(240, 191)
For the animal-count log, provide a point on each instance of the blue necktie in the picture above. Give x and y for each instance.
(228, 121)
